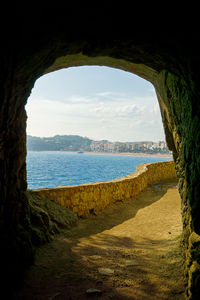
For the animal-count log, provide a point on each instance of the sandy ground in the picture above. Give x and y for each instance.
(137, 242)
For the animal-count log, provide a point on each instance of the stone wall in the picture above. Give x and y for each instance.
(94, 197)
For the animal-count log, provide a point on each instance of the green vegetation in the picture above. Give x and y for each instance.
(58, 143)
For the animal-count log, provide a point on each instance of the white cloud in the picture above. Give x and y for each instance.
(126, 120)
(119, 110)
(110, 96)
(81, 99)
(106, 94)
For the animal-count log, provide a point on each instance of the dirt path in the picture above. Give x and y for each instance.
(136, 242)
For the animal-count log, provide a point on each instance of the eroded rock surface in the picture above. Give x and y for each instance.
(47, 218)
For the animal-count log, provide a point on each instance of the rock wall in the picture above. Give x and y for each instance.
(94, 197)
(182, 127)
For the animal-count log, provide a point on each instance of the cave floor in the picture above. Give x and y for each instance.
(131, 250)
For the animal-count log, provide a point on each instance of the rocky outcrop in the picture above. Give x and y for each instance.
(47, 218)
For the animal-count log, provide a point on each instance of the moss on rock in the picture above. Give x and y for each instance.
(47, 218)
(194, 281)
(194, 246)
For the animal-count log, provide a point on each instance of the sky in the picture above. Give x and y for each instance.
(95, 102)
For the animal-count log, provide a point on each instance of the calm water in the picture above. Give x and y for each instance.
(50, 169)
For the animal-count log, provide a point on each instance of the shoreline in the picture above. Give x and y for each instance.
(111, 153)
(132, 154)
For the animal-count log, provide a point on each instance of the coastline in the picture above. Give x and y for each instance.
(115, 153)
(132, 154)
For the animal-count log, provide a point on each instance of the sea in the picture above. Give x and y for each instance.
(52, 169)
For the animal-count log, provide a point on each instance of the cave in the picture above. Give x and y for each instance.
(39, 43)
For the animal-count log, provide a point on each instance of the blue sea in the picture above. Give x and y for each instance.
(51, 169)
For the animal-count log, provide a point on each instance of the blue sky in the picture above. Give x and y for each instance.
(97, 102)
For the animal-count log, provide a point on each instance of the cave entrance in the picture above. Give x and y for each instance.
(165, 74)
(145, 227)
(117, 111)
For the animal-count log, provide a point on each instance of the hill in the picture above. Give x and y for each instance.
(58, 143)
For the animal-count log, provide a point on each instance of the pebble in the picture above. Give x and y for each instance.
(131, 263)
(92, 291)
(106, 271)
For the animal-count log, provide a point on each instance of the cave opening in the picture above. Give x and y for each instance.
(174, 72)
(106, 109)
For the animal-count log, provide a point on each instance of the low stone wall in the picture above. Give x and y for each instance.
(94, 197)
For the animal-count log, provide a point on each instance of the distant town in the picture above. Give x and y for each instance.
(116, 147)
(84, 144)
